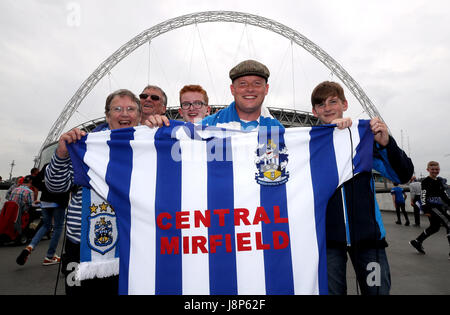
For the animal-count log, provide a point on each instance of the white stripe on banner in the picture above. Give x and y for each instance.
(142, 233)
(97, 178)
(96, 151)
(342, 147)
(249, 264)
(195, 278)
(301, 212)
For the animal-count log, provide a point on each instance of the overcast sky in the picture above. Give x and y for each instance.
(398, 52)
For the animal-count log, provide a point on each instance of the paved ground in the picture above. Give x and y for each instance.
(411, 272)
(33, 277)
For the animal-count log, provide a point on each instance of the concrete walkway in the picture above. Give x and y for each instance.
(411, 272)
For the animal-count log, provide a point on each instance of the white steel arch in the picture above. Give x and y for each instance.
(204, 17)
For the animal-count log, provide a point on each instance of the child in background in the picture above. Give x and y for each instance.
(398, 198)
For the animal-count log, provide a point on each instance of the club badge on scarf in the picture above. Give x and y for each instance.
(99, 253)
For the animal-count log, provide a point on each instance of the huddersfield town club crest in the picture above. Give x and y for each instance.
(271, 161)
(103, 234)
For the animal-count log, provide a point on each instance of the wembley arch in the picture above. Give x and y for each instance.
(204, 17)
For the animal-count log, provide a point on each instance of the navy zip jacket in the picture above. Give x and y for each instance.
(353, 217)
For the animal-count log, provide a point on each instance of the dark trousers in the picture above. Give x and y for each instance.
(437, 217)
(398, 207)
(371, 267)
(91, 287)
(416, 210)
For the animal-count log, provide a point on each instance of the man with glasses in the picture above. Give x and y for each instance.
(193, 103)
(122, 110)
(153, 101)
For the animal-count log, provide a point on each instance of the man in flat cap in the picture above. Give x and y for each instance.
(249, 87)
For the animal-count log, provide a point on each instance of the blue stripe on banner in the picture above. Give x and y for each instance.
(168, 278)
(80, 169)
(118, 178)
(325, 179)
(222, 263)
(363, 159)
(85, 250)
(277, 259)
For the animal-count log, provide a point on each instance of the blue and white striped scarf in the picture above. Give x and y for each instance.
(99, 250)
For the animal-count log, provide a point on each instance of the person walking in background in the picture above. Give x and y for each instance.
(23, 196)
(433, 196)
(33, 173)
(53, 207)
(17, 183)
(414, 190)
(398, 198)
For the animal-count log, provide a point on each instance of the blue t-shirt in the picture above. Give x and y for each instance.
(398, 192)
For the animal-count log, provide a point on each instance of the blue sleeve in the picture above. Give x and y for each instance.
(77, 152)
(392, 162)
(208, 121)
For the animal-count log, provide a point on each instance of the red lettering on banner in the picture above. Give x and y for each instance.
(214, 242)
(276, 240)
(221, 213)
(161, 216)
(205, 219)
(276, 213)
(261, 216)
(259, 242)
(242, 243)
(172, 247)
(199, 242)
(228, 246)
(180, 219)
(185, 244)
(241, 214)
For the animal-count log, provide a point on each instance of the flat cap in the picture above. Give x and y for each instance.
(249, 67)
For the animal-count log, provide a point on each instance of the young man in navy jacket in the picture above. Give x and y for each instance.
(353, 221)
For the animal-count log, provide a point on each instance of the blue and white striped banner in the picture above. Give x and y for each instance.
(210, 211)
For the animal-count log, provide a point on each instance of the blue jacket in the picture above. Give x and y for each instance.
(353, 216)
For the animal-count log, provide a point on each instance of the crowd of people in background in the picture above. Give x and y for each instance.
(61, 200)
